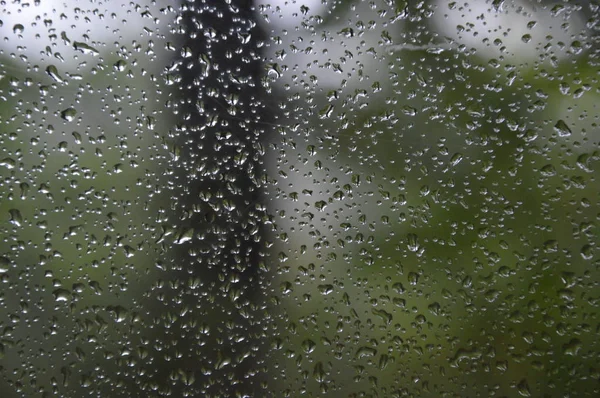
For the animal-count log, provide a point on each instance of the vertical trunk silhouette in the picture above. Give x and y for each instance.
(218, 220)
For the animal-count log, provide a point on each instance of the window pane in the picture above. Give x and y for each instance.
(275, 198)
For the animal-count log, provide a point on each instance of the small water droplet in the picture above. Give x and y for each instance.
(551, 246)
(587, 252)
(562, 129)
(120, 65)
(85, 48)
(523, 388)
(52, 71)
(320, 205)
(412, 242)
(573, 347)
(129, 251)
(364, 352)
(4, 264)
(325, 289)
(68, 114)
(185, 236)
(548, 170)
(383, 361)
(9, 163)
(61, 294)
(385, 316)
(15, 217)
(77, 137)
(308, 346)
(413, 278)
(456, 159)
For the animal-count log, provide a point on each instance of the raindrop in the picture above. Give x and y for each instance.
(120, 65)
(68, 114)
(15, 217)
(61, 294)
(587, 252)
(85, 48)
(18, 28)
(562, 129)
(523, 388)
(456, 159)
(9, 163)
(52, 71)
(365, 352)
(548, 170)
(4, 264)
(412, 242)
(308, 346)
(413, 278)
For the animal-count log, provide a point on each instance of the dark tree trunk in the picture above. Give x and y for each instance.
(218, 220)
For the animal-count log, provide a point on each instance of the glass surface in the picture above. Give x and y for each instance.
(277, 198)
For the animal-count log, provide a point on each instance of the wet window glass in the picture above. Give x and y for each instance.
(278, 198)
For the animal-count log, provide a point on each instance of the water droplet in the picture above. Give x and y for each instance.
(61, 294)
(85, 48)
(96, 287)
(4, 264)
(573, 347)
(15, 217)
(412, 242)
(409, 110)
(383, 361)
(497, 5)
(523, 388)
(366, 352)
(456, 159)
(77, 137)
(319, 372)
(308, 346)
(326, 112)
(129, 251)
(185, 236)
(52, 71)
(68, 114)
(18, 28)
(9, 163)
(548, 170)
(413, 278)
(320, 205)
(325, 289)
(120, 65)
(587, 252)
(118, 312)
(551, 246)
(385, 316)
(556, 10)
(562, 129)
(150, 122)
(222, 362)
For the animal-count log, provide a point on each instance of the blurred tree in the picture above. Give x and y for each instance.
(219, 220)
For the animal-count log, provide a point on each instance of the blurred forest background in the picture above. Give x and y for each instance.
(340, 198)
